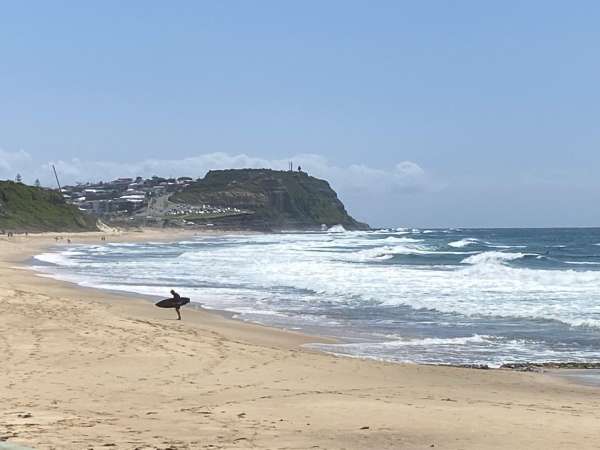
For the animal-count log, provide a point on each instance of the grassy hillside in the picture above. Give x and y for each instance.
(27, 208)
(277, 197)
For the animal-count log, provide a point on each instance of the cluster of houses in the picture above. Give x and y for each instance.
(123, 195)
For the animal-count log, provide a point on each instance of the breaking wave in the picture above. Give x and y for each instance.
(377, 286)
(463, 242)
(492, 257)
(336, 229)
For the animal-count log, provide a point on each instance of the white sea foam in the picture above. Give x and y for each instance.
(401, 239)
(387, 252)
(492, 257)
(374, 349)
(489, 244)
(492, 350)
(287, 275)
(463, 242)
(336, 229)
(475, 339)
(60, 259)
(590, 263)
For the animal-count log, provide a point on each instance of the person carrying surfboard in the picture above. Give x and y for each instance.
(177, 298)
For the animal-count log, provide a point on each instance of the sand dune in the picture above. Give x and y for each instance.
(81, 369)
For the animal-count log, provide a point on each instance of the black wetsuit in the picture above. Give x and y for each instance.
(177, 298)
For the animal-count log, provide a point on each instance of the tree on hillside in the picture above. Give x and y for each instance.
(37, 183)
(18, 178)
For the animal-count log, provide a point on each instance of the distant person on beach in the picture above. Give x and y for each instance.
(177, 298)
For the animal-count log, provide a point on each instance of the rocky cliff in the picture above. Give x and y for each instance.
(277, 199)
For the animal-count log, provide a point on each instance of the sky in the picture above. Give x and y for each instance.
(419, 114)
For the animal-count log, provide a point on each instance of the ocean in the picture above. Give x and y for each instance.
(433, 296)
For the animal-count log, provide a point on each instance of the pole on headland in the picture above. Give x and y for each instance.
(54, 168)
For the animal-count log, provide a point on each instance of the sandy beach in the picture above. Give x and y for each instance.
(83, 369)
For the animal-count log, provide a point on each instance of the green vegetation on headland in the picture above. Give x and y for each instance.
(277, 199)
(28, 208)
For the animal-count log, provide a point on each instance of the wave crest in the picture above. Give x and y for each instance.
(463, 242)
(492, 258)
(336, 229)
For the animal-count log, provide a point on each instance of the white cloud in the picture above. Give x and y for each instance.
(405, 176)
(11, 161)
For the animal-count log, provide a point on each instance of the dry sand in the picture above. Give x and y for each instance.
(81, 369)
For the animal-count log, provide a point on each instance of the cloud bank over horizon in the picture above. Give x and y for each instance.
(404, 195)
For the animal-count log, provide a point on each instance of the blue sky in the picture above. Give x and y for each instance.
(425, 114)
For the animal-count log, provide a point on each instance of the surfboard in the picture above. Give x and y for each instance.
(172, 303)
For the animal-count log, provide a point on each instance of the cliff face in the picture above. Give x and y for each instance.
(278, 199)
(27, 208)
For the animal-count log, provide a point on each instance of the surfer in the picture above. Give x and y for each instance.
(177, 298)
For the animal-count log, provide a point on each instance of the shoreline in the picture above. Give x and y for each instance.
(565, 370)
(234, 384)
(128, 296)
(151, 299)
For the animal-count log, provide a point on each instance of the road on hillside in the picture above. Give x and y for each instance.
(156, 207)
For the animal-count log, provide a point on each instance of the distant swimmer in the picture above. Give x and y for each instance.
(177, 299)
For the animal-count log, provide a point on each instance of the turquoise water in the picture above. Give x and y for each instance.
(468, 296)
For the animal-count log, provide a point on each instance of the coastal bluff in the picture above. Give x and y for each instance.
(29, 208)
(272, 199)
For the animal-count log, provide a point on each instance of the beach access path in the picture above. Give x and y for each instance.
(83, 369)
